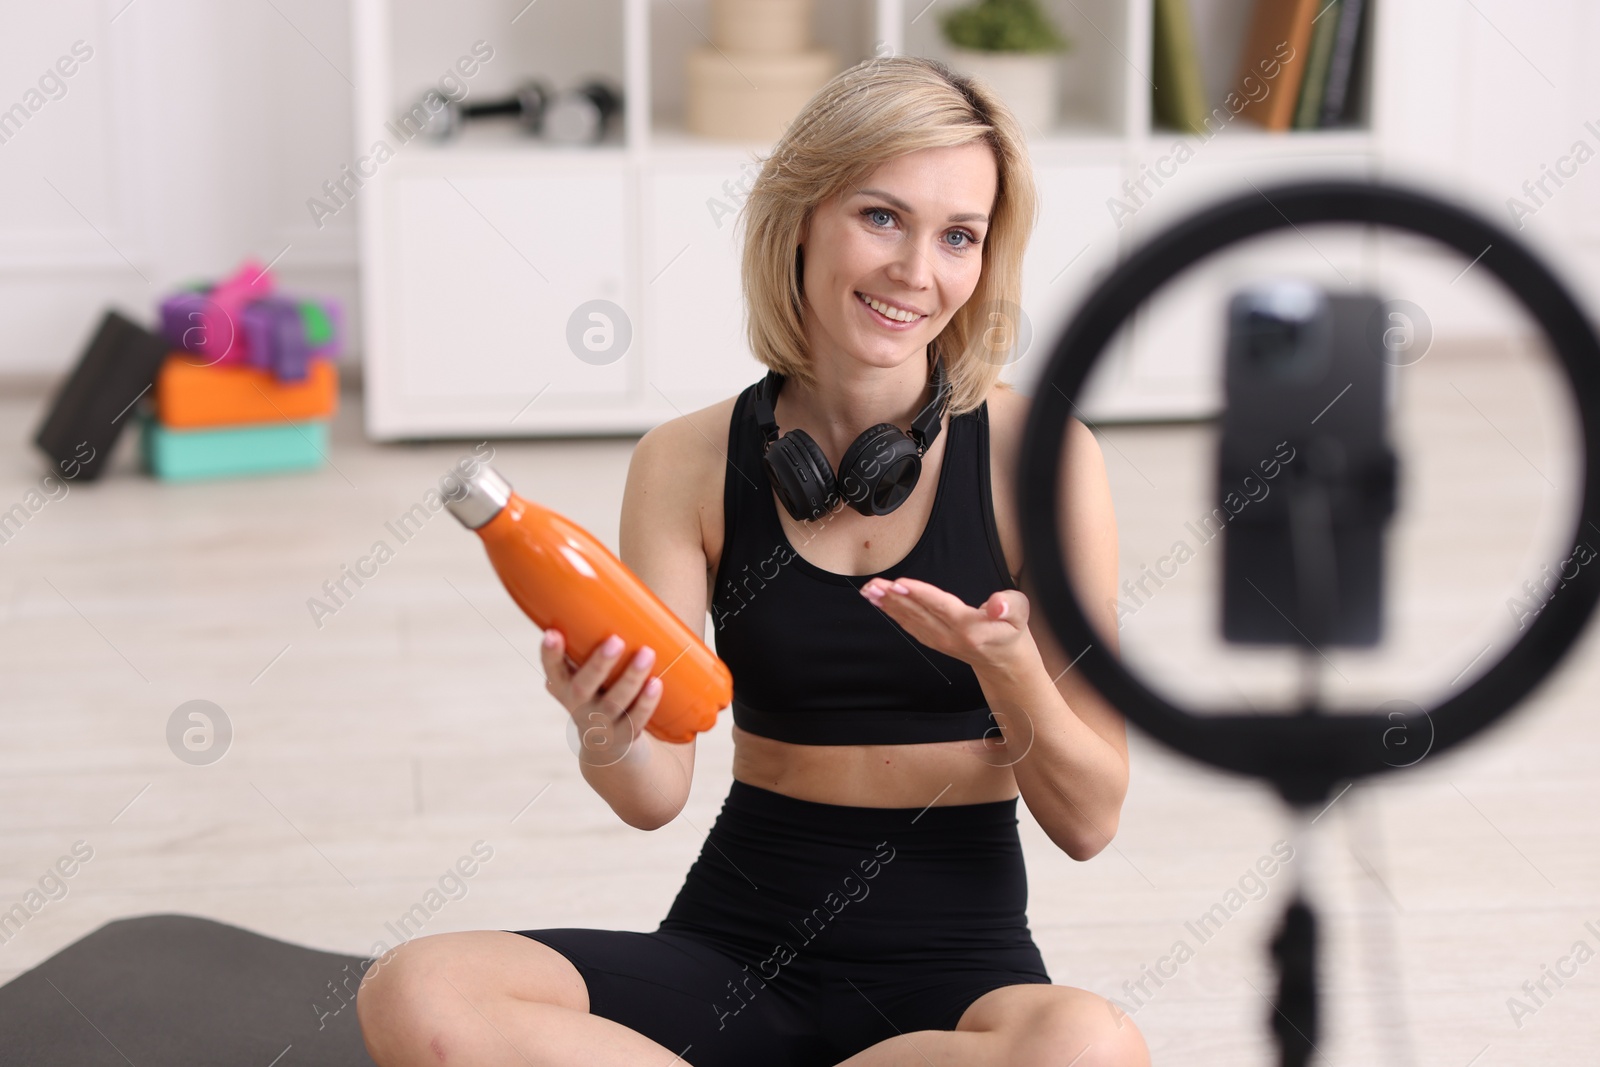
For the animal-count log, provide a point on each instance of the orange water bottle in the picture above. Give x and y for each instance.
(561, 576)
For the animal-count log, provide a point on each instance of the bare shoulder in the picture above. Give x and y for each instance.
(1080, 478)
(682, 462)
(1008, 415)
(699, 437)
(1008, 419)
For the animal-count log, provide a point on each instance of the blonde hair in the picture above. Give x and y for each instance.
(878, 110)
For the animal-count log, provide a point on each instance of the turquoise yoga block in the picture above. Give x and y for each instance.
(183, 455)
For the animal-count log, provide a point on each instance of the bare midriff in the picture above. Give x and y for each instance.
(875, 776)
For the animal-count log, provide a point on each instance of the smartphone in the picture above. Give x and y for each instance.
(1305, 473)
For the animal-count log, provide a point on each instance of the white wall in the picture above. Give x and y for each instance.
(198, 129)
(190, 138)
(1477, 97)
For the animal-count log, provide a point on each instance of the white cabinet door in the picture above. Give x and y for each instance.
(693, 304)
(488, 274)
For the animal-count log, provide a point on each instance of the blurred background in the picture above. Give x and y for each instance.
(360, 238)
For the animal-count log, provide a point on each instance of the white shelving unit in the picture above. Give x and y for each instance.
(476, 253)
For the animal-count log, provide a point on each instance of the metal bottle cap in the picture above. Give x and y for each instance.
(475, 498)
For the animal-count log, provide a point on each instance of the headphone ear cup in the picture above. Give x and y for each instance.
(879, 469)
(801, 474)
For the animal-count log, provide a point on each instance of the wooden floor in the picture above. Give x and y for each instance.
(372, 751)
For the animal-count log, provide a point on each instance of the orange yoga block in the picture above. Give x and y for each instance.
(190, 395)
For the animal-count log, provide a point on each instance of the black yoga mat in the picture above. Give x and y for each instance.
(178, 990)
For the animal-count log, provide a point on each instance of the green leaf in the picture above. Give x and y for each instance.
(1004, 26)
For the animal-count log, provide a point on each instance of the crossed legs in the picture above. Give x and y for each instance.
(490, 998)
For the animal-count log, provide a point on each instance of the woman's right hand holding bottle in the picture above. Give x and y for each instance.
(608, 721)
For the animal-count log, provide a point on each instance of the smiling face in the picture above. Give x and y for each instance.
(888, 263)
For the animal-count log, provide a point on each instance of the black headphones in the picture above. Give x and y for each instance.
(880, 468)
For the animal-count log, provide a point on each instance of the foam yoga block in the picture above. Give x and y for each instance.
(182, 455)
(178, 991)
(97, 400)
(189, 396)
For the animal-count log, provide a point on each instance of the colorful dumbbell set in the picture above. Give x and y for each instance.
(234, 380)
(239, 321)
(249, 384)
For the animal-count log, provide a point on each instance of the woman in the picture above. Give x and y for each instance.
(860, 899)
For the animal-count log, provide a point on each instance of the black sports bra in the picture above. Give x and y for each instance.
(814, 662)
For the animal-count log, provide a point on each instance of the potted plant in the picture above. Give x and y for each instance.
(1012, 45)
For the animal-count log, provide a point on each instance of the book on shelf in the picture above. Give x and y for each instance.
(1275, 56)
(1338, 94)
(1297, 70)
(1324, 29)
(1178, 98)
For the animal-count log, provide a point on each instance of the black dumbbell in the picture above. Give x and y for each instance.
(527, 106)
(581, 114)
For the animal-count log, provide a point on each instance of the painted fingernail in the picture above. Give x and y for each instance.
(549, 639)
(898, 588)
(612, 646)
(643, 657)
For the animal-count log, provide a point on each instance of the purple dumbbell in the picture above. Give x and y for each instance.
(276, 338)
(191, 320)
(324, 319)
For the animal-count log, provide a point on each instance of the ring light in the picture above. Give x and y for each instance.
(1304, 755)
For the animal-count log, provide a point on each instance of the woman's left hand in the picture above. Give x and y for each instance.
(990, 635)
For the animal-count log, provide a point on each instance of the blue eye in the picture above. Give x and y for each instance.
(968, 239)
(874, 212)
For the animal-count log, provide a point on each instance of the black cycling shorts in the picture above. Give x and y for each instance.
(806, 932)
